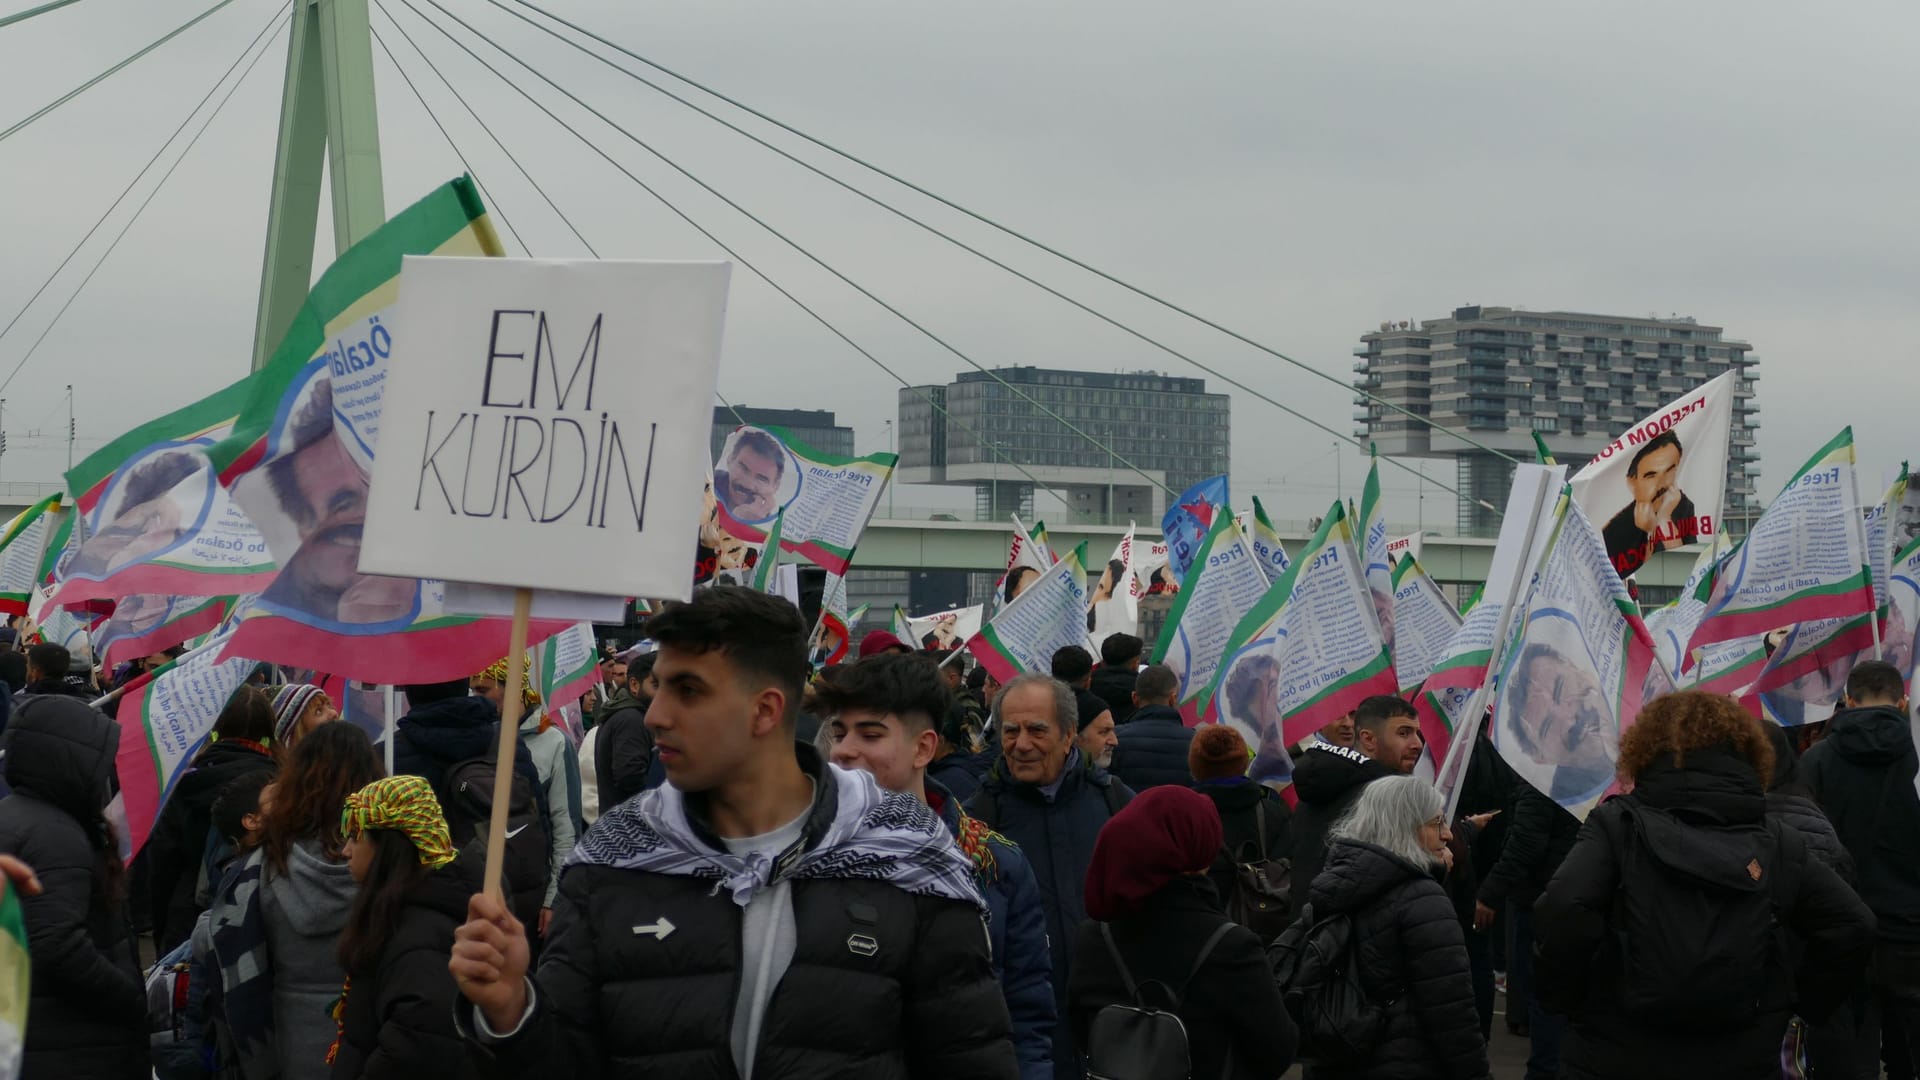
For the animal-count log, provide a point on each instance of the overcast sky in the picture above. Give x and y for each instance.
(1298, 172)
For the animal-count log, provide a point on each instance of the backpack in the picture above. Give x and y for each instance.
(468, 804)
(1137, 1041)
(1315, 965)
(1700, 948)
(1261, 887)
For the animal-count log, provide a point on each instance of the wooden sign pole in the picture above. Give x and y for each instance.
(511, 703)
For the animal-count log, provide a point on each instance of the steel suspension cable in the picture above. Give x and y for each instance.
(97, 79)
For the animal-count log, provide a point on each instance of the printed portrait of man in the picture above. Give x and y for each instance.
(1557, 717)
(748, 481)
(945, 634)
(1253, 703)
(1660, 515)
(320, 488)
(146, 522)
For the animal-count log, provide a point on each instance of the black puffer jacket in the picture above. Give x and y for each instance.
(86, 1016)
(1245, 807)
(1230, 1006)
(178, 845)
(611, 1003)
(436, 736)
(1328, 780)
(1861, 774)
(1153, 749)
(1538, 839)
(1706, 820)
(1115, 687)
(622, 754)
(1411, 953)
(398, 1023)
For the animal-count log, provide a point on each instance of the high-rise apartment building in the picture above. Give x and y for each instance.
(974, 430)
(1499, 374)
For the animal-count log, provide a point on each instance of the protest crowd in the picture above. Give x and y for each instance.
(270, 815)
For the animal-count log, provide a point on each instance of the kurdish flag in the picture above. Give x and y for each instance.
(1266, 544)
(821, 501)
(1804, 561)
(833, 633)
(23, 550)
(166, 720)
(144, 624)
(1424, 623)
(297, 462)
(569, 666)
(1225, 582)
(1577, 670)
(1308, 652)
(1050, 614)
(16, 980)
(1373, 549)
(155, 518)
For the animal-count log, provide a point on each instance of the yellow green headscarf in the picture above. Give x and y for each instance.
(529, 697)
(404, 803)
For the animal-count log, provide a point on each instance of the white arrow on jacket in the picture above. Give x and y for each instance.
(659, 930)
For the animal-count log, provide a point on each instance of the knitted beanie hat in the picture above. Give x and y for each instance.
(289, 702)
(405, 804)
(1217, 753)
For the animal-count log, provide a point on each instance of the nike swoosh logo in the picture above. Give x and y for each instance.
(511, 833)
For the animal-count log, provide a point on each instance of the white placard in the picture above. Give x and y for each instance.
(466, 598)
(545, 425)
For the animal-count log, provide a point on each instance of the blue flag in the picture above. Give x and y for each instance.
(1190, 518)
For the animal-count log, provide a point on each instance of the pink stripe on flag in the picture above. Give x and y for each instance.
(1726, 627)
(139, 783)
(1336, 705)
(440, 654)
(993, 660)
(155, 580)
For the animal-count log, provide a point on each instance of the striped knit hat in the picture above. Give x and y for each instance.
(406, 804)
(289, 702)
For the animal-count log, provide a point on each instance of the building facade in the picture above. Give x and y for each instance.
(815, 427)
(975, 430)
(1500, 374)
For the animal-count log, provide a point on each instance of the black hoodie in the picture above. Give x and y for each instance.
(1862, 775)
(1328, 780)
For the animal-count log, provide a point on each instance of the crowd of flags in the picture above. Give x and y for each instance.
(228, 527)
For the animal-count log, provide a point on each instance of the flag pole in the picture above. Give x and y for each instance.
(392, 723)
(510, 709)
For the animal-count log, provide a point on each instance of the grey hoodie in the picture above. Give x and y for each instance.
(305, 910)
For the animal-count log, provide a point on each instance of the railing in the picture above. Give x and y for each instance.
(27, 490)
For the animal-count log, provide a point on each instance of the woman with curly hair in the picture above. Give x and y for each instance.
(1686, 926)
(278, 917)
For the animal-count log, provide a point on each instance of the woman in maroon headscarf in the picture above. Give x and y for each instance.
(1153, 911)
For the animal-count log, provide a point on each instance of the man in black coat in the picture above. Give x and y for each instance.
(761, 914)
(623, 756)
(1539, 835)
(1862, 775)
(87, 1013)
(1113, 682)
(1044, 795)
(1154, 744)
(1329, 778)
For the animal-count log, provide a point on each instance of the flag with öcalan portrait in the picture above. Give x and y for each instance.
(1047, 616)
(155, 518)
(23, 549)
(833, 633)
(298, 458)
(567, 666)
(1424, 623)
(1373, 550)
(1576, 671)
(1225, 583)
(821, 501)
(1267, 548)
(1307, 654)
(1805, 559)
(1662, 483)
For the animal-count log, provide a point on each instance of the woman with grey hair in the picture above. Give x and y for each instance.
(1383, 870)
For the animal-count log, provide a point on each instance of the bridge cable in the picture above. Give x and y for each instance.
(23, 16)
(723, 246)
(4, 383)
(90, 83)
(131, 184)
(875, 200)
(435, 68)
(809, 255)
(493, 205)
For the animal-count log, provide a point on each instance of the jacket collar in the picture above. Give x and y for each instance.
(819, 816)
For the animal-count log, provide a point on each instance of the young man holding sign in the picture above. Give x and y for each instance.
(759, 914)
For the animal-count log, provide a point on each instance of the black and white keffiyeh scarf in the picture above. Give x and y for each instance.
(875, 835)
